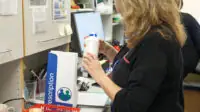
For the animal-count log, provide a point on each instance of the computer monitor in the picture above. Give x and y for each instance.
(83, 24)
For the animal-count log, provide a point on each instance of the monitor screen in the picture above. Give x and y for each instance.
(87, 23)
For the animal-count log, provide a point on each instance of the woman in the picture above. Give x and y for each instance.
(191, 49)
(147, 77)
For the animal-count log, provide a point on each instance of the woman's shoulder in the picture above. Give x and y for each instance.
(153, 37)
(160, 36)
(184, 14)
(157, 40)
(187, 18)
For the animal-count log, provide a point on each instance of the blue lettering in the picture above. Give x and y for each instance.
(51, 88)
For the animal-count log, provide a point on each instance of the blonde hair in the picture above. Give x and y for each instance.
(140, 15)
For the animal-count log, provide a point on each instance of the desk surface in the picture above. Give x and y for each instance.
(94, 100)
(95, 96)
(191, 86)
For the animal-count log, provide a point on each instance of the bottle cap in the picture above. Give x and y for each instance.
(93, 34)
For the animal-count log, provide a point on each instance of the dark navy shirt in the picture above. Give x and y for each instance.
(150, 75)
(191, 49)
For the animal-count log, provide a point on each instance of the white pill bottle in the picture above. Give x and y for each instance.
(92, 44)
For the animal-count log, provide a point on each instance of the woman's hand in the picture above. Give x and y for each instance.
(109, 51)
(93, 66)
(104, 47)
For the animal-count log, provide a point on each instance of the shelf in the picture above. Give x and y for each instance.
(115, 24)
(82, 10)
(105, 13)
(11, 40)
(88, 10)
(108, 39)
(46, 34)
(11, 84)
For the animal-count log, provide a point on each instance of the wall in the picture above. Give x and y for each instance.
(192, 7)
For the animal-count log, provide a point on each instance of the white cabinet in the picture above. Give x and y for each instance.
(46, 33)
(107, 27)
(118, 33)
(11, 39)
(11, 84)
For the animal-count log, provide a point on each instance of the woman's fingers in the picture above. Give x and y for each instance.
(86, 61)
(85, 65)
(91, 56)
(101, 41)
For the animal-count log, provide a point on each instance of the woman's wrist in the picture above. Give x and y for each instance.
(111, 53)
(106, 48)
(109, 86)
(101, 79)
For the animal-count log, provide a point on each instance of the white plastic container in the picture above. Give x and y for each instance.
(92, 45)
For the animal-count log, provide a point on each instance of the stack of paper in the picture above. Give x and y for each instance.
(92, 99)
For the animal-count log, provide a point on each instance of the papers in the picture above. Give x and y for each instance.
(92, 99)
(8, 7)
(95, 89)
(37, 3)
(95, 96)
(39, 18)
(39, 14)
(92, 109)
(192, 84)
(38, 27)
(59, 9)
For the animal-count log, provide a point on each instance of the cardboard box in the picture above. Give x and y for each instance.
(61, 86)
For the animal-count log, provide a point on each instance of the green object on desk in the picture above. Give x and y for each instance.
(99, 1)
